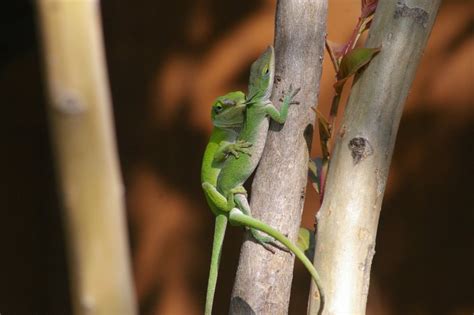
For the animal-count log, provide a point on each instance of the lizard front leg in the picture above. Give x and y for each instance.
(228, 148)
(280, 115)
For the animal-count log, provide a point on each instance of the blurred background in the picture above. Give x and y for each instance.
(167, 62)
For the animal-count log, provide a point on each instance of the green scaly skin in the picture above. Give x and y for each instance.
(254, 131)
(227, 115)
(237, 170)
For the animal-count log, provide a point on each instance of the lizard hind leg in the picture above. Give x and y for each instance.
(264, 240)
(217, 199)
(232, 201)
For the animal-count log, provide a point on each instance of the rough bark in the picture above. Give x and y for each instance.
(348, 219)
(87, 164)
(263, 281)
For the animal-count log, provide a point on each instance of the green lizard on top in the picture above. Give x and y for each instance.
(224, 192)
(254, 131)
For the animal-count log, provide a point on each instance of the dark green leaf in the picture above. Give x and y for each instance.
(314, 173)
(353, 62)
(306, 242)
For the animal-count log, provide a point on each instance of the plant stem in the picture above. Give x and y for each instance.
(348, 218)
(279, 186)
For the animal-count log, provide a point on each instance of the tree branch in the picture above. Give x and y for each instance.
(87, 164)
(262, 282)
(347, 221)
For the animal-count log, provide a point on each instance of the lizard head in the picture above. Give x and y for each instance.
(261, 75)
(228, 110)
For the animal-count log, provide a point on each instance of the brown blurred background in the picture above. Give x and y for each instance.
(167, 62)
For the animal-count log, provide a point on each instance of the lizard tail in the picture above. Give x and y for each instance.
(219, 232)
(238, 217)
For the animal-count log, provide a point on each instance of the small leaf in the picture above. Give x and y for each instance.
(324, 133)
(306, 242)
(322, 176)
(353, 62)
(314, 173)
(324, 128)
(303, 239)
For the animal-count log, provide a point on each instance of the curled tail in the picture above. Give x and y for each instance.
(239, 217)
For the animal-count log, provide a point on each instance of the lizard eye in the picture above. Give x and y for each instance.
(218, 109)
(266, 70)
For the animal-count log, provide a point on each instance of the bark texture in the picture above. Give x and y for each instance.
(263, 281)
(87, 164)
(348, 219)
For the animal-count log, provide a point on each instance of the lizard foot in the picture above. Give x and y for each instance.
(240, 146)
(288, 96)
(266, 241)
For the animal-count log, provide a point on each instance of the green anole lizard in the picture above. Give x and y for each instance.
(237, 170)
(227, 115)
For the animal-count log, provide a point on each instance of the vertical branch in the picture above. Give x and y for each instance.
(348, 219)
(83, 138)
(263, 279)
